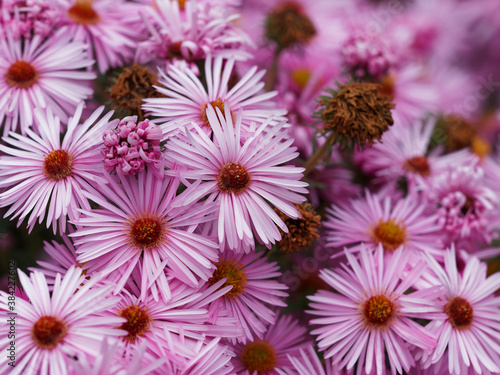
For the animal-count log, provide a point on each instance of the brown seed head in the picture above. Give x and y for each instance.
(358, 113)
(301, 232)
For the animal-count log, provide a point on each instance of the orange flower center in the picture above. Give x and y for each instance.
(82, 12)
(58, 165)
(21, 74)
(259, 356)
(418, 164)
(235, 275)
(390, 234)
(378, 310)
(216, 104)
(233, 178)
(48, 331)
(146, 233)
(137, 323)
(460, 312)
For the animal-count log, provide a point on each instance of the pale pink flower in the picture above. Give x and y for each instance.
(238, 177)
(40, 73)
(45, 178)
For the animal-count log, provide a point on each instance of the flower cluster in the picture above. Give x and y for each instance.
(132, 146)
(229, 187)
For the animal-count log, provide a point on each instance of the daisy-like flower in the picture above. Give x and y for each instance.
(308, 363)
(186, 100)
(41, 74)
(238, 179)
(370, 313)
(254, 291)
(111, 27)
(136, 220)
(270, 354)
(44, 177)
(468, 325)
(403, 153)
(465, 206)
(188, 31)
(373, 220)
(51, 328)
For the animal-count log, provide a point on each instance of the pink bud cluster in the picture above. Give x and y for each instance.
(367, 56)
(131, 146)
(25, 18)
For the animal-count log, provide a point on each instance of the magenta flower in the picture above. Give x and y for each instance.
(254, 291)
(42, 74)
(52, 327)
(131, 146)
(44, 177)
(237, 178)
(370, 313)
(187, 100)
(308, 363)
(373, 220)
(137, 221)
(468, 324)
(268, 355)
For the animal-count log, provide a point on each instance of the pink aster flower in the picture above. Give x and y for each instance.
(465, 206)
(268, 355)
(370, 313)
(373, 220)
(44, 177)
(52, 327)
(308, 363)
(190, 32)
(110, 27)
(132, 146)
(41, 74)
(404, 153)
(468, 324)
(254, 292)
(187, 99)
(136, 220)
(237, 178)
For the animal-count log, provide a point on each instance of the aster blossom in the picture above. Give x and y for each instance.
(182, 33)
(254, 292)
(54, 173)
(374, 220)
(468, 320)
(137, 225)
(52, 327)
(238, 178)
(40, 73)
(372, 311)
(186, 99)
(110, 27)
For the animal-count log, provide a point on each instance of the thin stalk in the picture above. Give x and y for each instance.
(311, 163)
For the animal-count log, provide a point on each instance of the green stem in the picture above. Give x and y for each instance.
(311, 163)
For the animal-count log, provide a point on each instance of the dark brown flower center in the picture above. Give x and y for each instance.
(419, 165)
(357, 113)
(137, 323)
(460, 312)
(390, 234)
(259, 356)
(58, 165)
(301, 232)
(132, 86)
(146, 233)
(378, 310)
(235, 275)
(21, 74)
(233, 178)
(82, 12)
(48, 331)
(289, 26)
